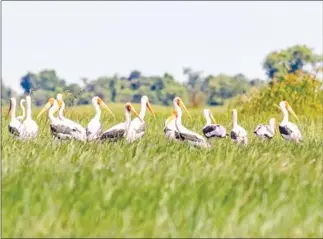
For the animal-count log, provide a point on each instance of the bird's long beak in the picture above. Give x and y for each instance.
(212, 118)
(107, 109)
(46, 107)
(10, 108)
(151, 110)
(184, 107)
(135, 112)
(292, 112)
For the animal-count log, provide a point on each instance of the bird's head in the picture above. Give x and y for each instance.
(98, 101)
(51, 101)
(178, 101)
(129, 108)
(284, 105)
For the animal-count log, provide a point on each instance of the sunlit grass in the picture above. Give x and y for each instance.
(157, 188)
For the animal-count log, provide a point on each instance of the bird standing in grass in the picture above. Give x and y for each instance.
(138, 125)
(61, 107)
(120, 130)
(60, 129)
(212, 130)
(266, 131)
(94, 130)
(287, 129)
(238, 134)
(184, 134)
(29, 125)
(15, 126)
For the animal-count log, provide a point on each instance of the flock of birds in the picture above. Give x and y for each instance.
(24, 127)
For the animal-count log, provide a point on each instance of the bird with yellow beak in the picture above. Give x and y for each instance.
(287, 129)
(137, 126)
(94, 130)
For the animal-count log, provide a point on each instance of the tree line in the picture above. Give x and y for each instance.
(196, 90)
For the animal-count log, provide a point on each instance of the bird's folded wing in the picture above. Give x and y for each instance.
(285, 130)
(190, 137)
(14, 130)
(112, 134)
(62, 129)
(141, 128)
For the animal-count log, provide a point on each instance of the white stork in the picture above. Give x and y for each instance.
(212, 130)
(182, 132)
(120, 130)
(287, 129)
(170, 126)
(266, 131)
(60, 129)
(94, 130)
(138, 124)
(238, 134)
(15, 126)
(21, 117)
(61, 106)
(30, 126)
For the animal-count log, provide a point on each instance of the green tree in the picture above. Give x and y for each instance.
(290, 60)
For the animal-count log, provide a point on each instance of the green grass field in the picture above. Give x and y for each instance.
(157, 188)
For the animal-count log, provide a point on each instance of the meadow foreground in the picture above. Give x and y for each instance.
(158, 188)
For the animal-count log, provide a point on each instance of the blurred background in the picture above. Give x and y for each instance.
(209, 53)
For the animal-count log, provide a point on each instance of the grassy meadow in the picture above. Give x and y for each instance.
(158, 188)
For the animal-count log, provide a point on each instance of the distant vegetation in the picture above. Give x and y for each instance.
(197, 90)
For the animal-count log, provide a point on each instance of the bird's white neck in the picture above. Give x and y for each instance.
(285, 119)
(98, 111)
(234, 118)
(207, 117)
(178, 120)
(143, 110)
(28, 105)
(23, 109)
(51, 113)
(13, 109)
(61, 111)
(272, 125)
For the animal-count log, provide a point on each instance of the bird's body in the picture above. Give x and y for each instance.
(60, 129)
(170, 127)
(137, 126)
(21, 117)
(287, 129)
(238, 134)
(182, 132)
(120, 130)
(266, 131)
(29, 125)
(61, 106)
(94, 128)
(212, 130)
(15, 126)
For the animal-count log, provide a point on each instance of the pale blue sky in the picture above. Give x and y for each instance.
(90, 39)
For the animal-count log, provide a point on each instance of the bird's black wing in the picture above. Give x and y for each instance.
(62, 129)
(285, 130)
(178, 136)
(112, 134)
(13, 131)
(234, 135)
(189, 137)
